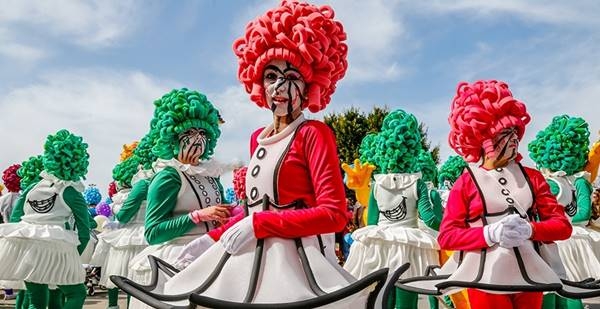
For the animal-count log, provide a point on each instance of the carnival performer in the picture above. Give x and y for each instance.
(185, 198)
(41, 247)
(398, 197)
(294, 186)
(490, 211)
(560, 152)
(12, 181)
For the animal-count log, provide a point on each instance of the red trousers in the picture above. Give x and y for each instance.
(527, 300)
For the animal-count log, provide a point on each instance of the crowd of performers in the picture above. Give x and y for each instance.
(482, 231)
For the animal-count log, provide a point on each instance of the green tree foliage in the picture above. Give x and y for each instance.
(351, 126)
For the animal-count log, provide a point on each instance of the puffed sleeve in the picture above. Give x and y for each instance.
(455, 232)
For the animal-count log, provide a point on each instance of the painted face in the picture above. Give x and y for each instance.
(506, 144)
(284, 87)
(192, 144)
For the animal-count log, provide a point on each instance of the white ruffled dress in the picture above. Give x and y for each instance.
(40, 248)
(577, 253)
(396, 239)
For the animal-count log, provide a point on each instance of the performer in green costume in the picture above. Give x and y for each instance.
(185, 197)
(40, 247)
(560, 152)
(398, 197)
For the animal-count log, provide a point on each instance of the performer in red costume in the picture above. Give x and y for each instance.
(498, 208)
(277, 252)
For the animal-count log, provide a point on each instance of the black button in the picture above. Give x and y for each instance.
(505, 192)
(207, 200)
(255, 171)
(502, 181)
(261, 153)
(254, 193)
(499, 169)
(510, 200)
(204, 193)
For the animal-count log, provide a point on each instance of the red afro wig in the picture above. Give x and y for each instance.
(11, 180)
(302, 34)
(239, 182)
(479, 111)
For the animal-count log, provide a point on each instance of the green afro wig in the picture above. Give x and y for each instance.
(143, 151)
(178, 111)
(30, 171)
(124, 171)
(562, 146)
(426, 165)
(66, 156)
(396, 147)
(451, 169)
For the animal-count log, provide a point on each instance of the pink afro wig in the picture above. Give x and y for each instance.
(302, 34)
(11, 180)
(239, 183)
(479, 111)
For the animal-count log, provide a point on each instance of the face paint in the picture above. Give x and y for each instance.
(284, 87)
(506, 145)
(192, 144)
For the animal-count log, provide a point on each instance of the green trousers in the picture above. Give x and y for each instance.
(73, 296)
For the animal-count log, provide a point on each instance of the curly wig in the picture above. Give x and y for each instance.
(30, 171)
(396, 147)
(451, 169)
(92, 195)
(144, 149)
(479, 111)
(302, 34)
(426, 165)
(11, 179)
(181, 110)
(124, 171)
(239, 183)
(562, 146)
(66, 156)
(128, 150)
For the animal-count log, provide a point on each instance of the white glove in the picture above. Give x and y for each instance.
(238, 235)
(511, 231)
(192, 251)
(111, 225)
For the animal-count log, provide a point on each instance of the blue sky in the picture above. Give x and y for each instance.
(95, 67)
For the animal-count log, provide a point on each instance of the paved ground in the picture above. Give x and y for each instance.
(99, 301)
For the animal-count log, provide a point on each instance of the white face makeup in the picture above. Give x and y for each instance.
(506, 144)
(284, 87)
(192, 144)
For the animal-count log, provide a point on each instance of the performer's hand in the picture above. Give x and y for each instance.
(192, 251)
(501, 232)
(516, 231)
(219, 213)
(238, 235)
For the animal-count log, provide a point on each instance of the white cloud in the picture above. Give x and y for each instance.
(583, 13)
(86, 23)
(106, 108)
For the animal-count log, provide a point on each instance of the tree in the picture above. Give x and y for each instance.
(351, 126)
(426, 144)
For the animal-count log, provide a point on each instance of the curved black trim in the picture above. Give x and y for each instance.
(588, 284)
(375, 277)
(197, 196)
(145, 294)
(321, 246)
(310, 277)
(391, 284)
(258, 252)
(554, 287)
(280, 161)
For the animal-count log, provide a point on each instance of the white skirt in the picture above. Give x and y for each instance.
(578, 255)
(40, 261)
(376, 247)
(168, 252)
(282, 278)
(130, 238)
